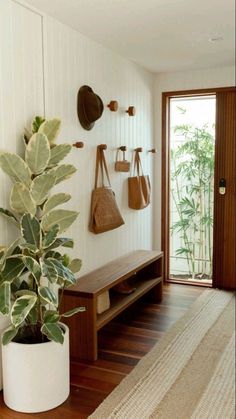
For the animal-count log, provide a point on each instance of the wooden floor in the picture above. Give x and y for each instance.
(122, 343)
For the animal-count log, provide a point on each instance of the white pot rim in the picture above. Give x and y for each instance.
(35, 345)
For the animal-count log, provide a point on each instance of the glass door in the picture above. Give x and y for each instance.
(191, 187)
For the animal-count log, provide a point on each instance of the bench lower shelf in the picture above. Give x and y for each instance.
(120, 302)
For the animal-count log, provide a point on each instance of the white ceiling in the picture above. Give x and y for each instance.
(160, 35)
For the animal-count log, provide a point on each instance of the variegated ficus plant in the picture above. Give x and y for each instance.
(34, 267)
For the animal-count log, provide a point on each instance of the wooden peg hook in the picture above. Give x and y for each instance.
(123, 148)
(131, 111)
(78, 144)
(153, 150)
(113, 105)
(139, 149)
(102, 147)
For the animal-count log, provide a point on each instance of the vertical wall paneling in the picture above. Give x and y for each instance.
(21, 86)
(72, 60)
(43, 64)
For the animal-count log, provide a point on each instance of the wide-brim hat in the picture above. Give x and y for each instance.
(89, 107)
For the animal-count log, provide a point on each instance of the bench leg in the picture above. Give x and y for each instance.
(83, 335)
(155, 294)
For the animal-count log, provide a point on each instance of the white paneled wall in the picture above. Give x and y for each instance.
(31, 42)
(73, 60)
(21, 85)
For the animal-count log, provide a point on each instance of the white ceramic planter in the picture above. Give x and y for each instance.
(4, 323)
(36, 377)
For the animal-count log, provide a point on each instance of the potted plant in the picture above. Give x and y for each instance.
(35, 348)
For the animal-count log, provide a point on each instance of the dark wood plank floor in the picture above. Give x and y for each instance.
(122, 343)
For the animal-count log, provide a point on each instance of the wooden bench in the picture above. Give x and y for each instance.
(143, 268)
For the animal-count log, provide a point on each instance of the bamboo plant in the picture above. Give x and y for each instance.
(33, 266)
(192, 196)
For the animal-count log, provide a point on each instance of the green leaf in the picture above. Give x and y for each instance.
(15, 167)
(2, 257)
(21, 308)
(26, 136)
(53, 332)
(63, 172)
(64, 273)
(51, 316)
(53, 254)
(9, 215)
(41, 186)
(30, 230)
(75, 265)
(55, 200)
(38, 120)
(58, 153)
(21, 200)
(33, 266)
(49, 270)
(8, 251)
(182, 251)
(9, 334)
(74, 311)
(62, 241)
(51, 129)
(37, 153)
(48, 295)
(5, 298)
(51, 236)
(12, 247)
(30, 247)
(23, 292)
(5, 252)
(64, 218)
(15, 286)
(65, 259)
(13, 268)
(33, 315)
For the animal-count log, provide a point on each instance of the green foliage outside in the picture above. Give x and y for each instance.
(33, 267)
(192, 178)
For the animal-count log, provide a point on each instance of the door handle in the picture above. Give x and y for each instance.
(222, 186)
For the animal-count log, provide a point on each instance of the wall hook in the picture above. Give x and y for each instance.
(113, 105)
(153, 150)
(122, 148)
(139, 149)
(131, 111)
(102, 146)
(78, 144)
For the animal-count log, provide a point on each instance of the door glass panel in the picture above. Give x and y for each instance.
(192, 146)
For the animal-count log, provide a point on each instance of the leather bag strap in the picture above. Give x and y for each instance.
(101, 164)
(117, 155)
(98, 159)
(137, 164)
(104, 166)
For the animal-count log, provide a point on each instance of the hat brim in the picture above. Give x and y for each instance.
(80, 108)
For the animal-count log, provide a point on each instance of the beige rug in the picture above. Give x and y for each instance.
(189, 374)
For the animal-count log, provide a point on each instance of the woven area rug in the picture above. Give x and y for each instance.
(190, 372)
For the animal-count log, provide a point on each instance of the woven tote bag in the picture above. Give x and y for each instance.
(105, 214)
(139, 187)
